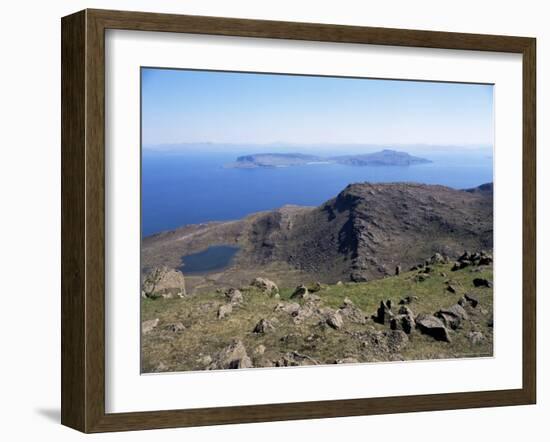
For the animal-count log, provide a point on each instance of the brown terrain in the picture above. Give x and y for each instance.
(364, 233)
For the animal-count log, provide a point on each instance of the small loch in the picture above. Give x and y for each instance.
(213, 259)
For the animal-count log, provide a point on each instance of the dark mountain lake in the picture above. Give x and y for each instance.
(190, 188)
(212, 259)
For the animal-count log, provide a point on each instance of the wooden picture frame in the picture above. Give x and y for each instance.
(83, 220)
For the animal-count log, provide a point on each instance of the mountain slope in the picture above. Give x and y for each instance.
(362, 234)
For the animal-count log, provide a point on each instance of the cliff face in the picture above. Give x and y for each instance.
(361, 234)
(368, 229)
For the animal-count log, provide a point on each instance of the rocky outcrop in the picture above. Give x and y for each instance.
(453, 316)
(300, 292)
(263, 326)
(224, 310)
(233, 356)
(149, 326)
(163, 283)
(482, 282)
(334, 320)
(384, 314)
(266, 286)
(234, 296)
(432, 326)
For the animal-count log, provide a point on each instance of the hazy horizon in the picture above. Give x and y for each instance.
(182, 107)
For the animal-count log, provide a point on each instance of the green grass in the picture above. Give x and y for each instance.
(205, 335)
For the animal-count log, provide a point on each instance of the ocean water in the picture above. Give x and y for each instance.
(189, 188)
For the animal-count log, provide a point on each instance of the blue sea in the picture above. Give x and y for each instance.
(180, 188)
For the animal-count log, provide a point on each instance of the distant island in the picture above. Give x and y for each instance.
(386, 157)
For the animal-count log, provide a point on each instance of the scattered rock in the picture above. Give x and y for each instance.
(408, 300)
(149, 326)
(234, 296)
(384, 313)
(402, 322)
(266, 286)
(163, 283)
(351, 312)
(317, 287)
(421, 277)
(476, 338)
(339, 283)
(438, 258)
(335, 320)
(293, 359)
(287, 307)
(482, 282)
(451, 288)
(302, 313)
(263, 326)
(485, 260)
(458, 265)
(346, 302)
(385, 341)
(233, 356)
(432, 326)
(300, 292)
(259, 350)
(453, 316)
(175, 327)
(224, 310)
(471, 299)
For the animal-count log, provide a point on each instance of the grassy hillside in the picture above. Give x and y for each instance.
(187, 333)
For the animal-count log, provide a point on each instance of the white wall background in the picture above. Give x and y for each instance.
(30, 221)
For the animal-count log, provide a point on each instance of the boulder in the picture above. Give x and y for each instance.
(471, 299)
(299, 292)
(266, 286)
(438, 258)
(408, 300)
(287, 307)
(335, 320)
(303, 312)
(224, 310)
(421, 277)
(317, 287)
(263, 326)
(460, 264)
(233, 356)
(402, 322)
(234, 296)
(149, 326)
(351, 312)
(432, 326)
(482, 282)
(163, 283)
(453, 316)
(384, 313)
(451, 288)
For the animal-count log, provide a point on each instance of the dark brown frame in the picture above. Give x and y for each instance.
(83, 216)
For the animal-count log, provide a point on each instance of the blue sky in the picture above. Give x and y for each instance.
(182, 106)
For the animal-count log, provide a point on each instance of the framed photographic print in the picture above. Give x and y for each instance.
(268, 220)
